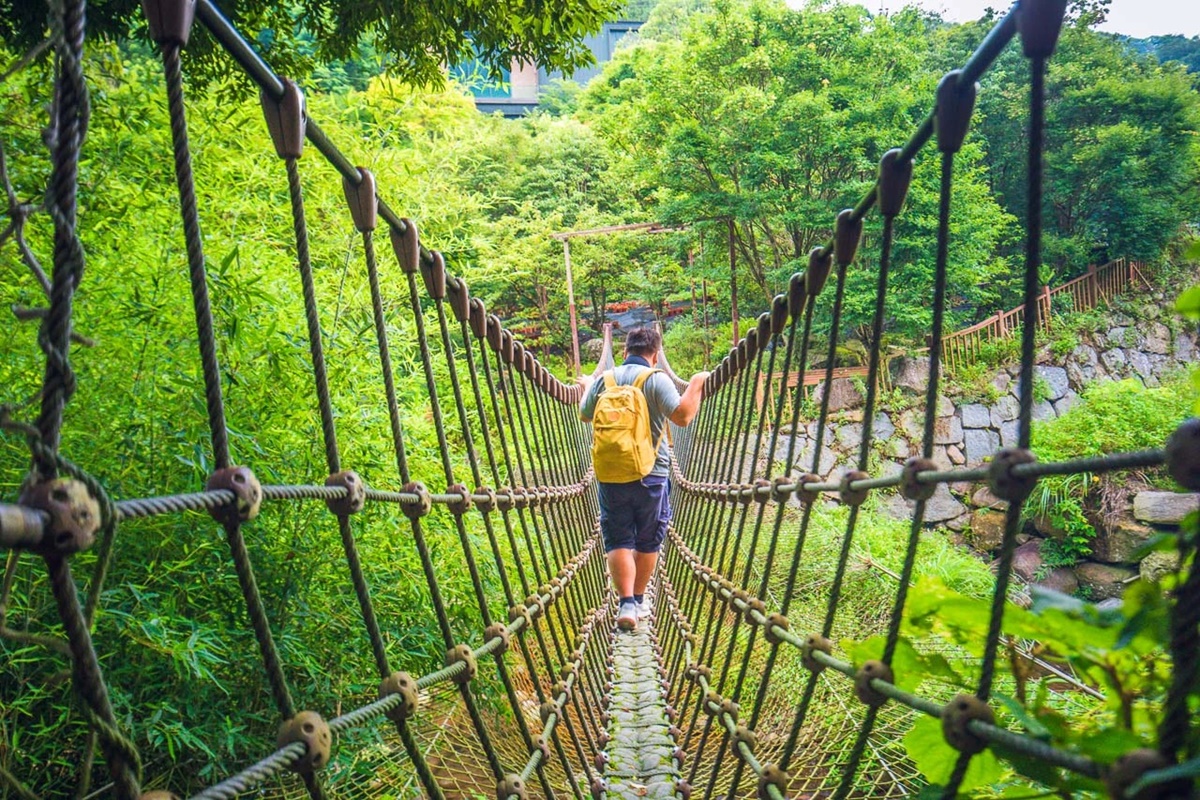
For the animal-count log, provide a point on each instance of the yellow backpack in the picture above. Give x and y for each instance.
(622, 448)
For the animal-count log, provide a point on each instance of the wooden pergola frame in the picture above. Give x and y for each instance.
(566, 236)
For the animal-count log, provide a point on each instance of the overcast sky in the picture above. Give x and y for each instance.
(1134, 17)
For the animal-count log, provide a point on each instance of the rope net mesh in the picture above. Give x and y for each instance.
(751, 599)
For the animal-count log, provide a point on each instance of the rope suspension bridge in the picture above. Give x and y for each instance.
(715, 694)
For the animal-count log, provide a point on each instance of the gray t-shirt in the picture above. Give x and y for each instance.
(662, 398)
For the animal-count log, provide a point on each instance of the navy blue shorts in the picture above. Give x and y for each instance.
(634, 516)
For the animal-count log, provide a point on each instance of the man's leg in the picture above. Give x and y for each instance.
(622, 568)
(644, 563)
(653, 518)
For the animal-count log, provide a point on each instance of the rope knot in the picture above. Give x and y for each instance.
(247, 495)
(72, 515)
(356, 493)
(308, 728)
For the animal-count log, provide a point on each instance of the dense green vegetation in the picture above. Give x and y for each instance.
(731, 111)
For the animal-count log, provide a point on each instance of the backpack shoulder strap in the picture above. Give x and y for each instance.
(610, 380)
(640, 380)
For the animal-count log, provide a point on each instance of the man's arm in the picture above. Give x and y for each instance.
(587, 404)
(689, 401)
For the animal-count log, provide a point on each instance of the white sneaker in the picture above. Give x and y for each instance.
(645, 608)
(627, 615)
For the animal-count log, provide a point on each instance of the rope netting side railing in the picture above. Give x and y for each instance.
(518, 496)
(765, 704)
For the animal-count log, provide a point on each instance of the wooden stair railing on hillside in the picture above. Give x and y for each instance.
(1097, 285)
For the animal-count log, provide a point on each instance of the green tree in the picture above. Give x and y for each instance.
(417, 39)
(776, 119)
(1122, 156)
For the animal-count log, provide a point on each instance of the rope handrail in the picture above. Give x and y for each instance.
(1024, 743)
(287, 755)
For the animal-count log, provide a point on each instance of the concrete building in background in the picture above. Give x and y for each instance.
(516, 94)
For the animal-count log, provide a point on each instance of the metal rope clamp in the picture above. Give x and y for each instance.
(433, 275)
(536, 604)
(755, 605)
(869, 671)
(543, 747)
(547, 708)
(765, 328)
(74, 515)
(307, 727)
(772, 775)
(478, 318)
(814, 643)
(247, 494)
(776, 622)
(797, 295)
(406, 244)
(521, 612)
(847, 233)
(730, 708)
(1003, 483)
(1131, 766)
(460, 299)
(779, 314)
(850, 496)
(1183, 454)
(170, 20)
(599, 787)
(894, 178)
(1039, 23)
(781, 490)
(712, 702)
(956, 715)
(463, 505)
(462, 653)
(415, 509)
(559, 690)
(520, 497)
(910, 487)
(804, 495)
(743, 735)
(286, 119)
(498, 630)
(403, 685)
(490, 503)
(510, 786)
(952, 112)
(762, 491)
(495, 333)
(356, 493)
(695, 671)
(360, 197)
(819, 262)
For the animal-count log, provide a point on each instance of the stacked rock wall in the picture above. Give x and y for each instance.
(968, 433)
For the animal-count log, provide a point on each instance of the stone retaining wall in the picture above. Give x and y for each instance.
(968, 433)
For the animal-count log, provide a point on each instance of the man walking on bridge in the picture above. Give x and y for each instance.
(629, 410)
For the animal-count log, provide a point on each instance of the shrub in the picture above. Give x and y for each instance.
(1112, 417)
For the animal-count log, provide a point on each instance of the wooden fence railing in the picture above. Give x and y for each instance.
(1095, 286)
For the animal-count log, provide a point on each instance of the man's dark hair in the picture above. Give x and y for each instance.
(643, 341)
